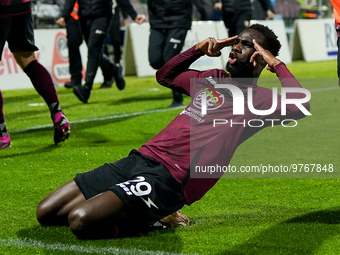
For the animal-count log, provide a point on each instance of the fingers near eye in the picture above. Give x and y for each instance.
(213, 46)
(210, 45)
(255, 57)
(252, 58)
(216, 44)
(257, 46)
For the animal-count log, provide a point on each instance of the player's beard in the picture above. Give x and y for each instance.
(241, 69)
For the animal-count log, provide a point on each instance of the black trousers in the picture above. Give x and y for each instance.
(236, 22)
(163, 45)
(115, 37)
(74, 40)
(94, 32)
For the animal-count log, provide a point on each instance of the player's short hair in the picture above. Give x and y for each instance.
(271, 41)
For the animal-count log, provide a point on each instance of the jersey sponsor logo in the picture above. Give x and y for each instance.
(140, 188)
(207, 98)
(193, 113)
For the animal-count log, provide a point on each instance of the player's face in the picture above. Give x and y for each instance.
(239, 58)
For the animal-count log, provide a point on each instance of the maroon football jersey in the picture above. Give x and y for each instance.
(196, 138)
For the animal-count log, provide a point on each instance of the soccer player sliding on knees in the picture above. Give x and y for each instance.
(130, 196)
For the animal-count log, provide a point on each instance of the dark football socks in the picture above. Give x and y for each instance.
(42, 81)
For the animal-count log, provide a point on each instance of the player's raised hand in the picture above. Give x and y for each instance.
(262, 56)
(212, 47)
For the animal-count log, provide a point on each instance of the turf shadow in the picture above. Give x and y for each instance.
(81, 135)
(139, 98)
(21, 116)
(41, 150)
(22, 98)
(300, 235)
(111, 138)
(331, 216)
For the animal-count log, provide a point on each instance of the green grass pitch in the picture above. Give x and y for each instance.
(238, 216)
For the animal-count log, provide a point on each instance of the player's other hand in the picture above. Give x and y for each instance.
(61, 22)
(212, 47)
(270, 14)
(140, 19)
(264, 57)
(218, 6)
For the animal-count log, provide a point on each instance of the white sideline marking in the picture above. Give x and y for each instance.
(30, 243)
(324, 89)
(126, 115)
(36, 104)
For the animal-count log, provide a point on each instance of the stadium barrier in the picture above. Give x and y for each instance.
(53, 54)
(137, 39)
(313, 40)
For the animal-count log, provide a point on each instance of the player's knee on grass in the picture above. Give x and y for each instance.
(47, 216)
(80, 225)
(44, 213)
(77, 220)
(84, 227)
(41, 213)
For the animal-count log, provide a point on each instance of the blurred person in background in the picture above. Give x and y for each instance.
(75, 39)
(289, 10)
(336, 11)
(114, 35)
(203, 9)
(16, 25)
(170, 21)
(236, 14)
(262, 10)
(94, 17)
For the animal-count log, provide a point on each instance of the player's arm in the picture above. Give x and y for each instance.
(176, 74)
(65, 13)
(127, 7)
(212, 47)
(262, 56)
(266, 6)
